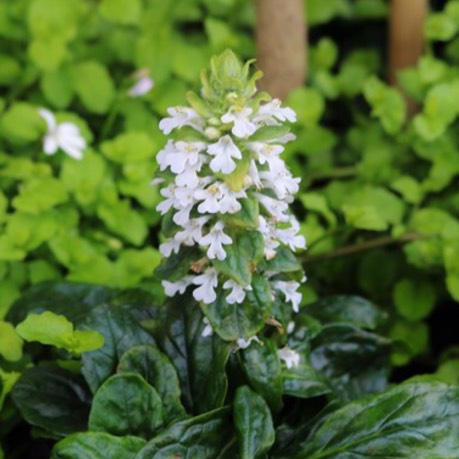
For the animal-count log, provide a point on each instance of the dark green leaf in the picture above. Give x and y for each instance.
(263, 370)
(247, 217)
(178, 265)
(201, 437)
(353, 310)
(126, 404)
(269, 133)
(72, 300)
(53, 399)
(353, 361)
(234, 321)
(285, 262)
(409, 421)
(97, 445)
(303, 382)
(241, 256)
(158, 371)
(253, 423)
(121, 332)
(195, 357)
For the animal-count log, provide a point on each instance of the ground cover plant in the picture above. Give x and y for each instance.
(226, 350)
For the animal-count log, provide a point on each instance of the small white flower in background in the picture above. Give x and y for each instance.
(65, 136)
(143, 83)
(181, 116)
(245, 343)
(207, 282)
(290, 327)
(289, 356)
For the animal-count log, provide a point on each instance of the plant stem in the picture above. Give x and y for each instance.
(383, 241)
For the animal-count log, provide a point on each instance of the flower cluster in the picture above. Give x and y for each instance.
(222, 176)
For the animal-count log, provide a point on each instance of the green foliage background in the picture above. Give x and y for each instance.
(368, 172)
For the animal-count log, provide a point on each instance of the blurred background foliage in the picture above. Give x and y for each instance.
(379, 203)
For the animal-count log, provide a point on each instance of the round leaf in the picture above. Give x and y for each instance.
(126, 405)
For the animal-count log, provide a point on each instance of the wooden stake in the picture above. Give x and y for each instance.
(406, 37)
(281, 39)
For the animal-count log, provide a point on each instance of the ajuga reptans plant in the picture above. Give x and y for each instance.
(229, 232)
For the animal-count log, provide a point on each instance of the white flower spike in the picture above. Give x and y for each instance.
(226, 199)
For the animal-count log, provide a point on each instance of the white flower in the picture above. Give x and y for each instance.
(289, 356)
(289, 289)
(253, 176)
(268, 154)
(245, 343)
(192, 231)
(291, 327)
(237, 294)
(143, 83)
(210, 197)
(289, 236)
(229, 203)
(180, 156)
(239, 116)
(274, 207)
(207, 281)
(181, 116)
(224, 150)
(268, 231)
(65, 136)
(208, 330)
(171, 201)
(215, 239)
(171, 288)
(282, 182)
(270, 112)
(172, 245)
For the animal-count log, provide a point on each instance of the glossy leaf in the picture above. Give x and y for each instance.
(285, 261)
(121, 332)
(72, 300)
(203, 436)
(234, 321)
(303, 382)
(194, 357)
(263, 370)
(126, 404)
(352, 361)
(353, 310)
(422, 420)
(241, 256)
(97, 445)
(253, 422)
(177, 265)
(53, 399)
(158, 371)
